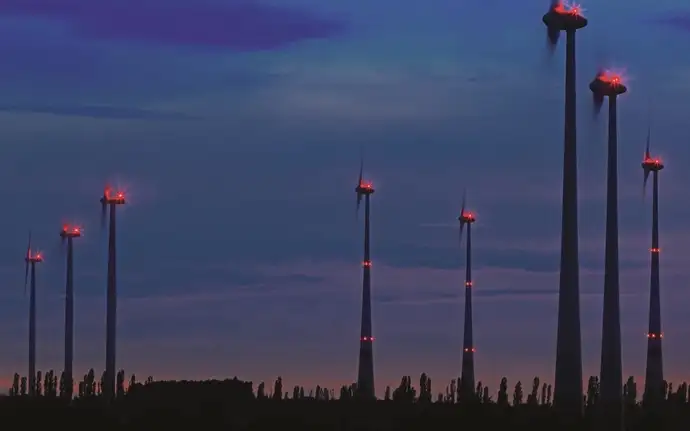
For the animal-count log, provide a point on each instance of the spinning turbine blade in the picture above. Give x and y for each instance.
(462, 215)
(647, 156)
(359, 183)
(26, 266)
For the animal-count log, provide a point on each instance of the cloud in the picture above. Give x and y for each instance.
(679, 20)
(98, 111)
(241, 25)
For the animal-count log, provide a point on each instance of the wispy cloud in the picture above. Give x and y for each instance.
(98, 111)
(244, 25)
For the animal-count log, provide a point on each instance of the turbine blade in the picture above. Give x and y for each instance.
(647, 154)
(644, 183)
(462, 214)
(359, 181)
(597, 103)
(552, 35)
(26, 266)
(103, 214)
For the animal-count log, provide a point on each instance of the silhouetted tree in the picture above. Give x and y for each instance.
(424, 388)
(665, 389)
(630, 391)
(15, 385)
(453, 390)
(478, 391)
(543, 394)
(120, 384)
(278, 389)
(22, 387)
(39, 385)
(90, 383)
(517, 394)
(486, 398)
(261, 391)
(592, 391)
(387, 394)
(682, 393)
(532, 397)
(502, 399)
(149, 380)
(405, 392)
(295, 393)
(132, 382)
(63, 385)
(548, 395)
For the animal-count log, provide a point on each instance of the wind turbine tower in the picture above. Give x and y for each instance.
(608, 84)
(31, 260)
(467, 375)
(568, 380)
(68, 233)
(110, 200)
(654, 375)
(365, 374)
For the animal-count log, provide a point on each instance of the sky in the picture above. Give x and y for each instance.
(236, 128)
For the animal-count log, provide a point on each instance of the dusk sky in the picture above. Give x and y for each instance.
(236, 128)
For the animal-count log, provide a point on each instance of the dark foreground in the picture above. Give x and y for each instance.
(206, 413)
(233, 405)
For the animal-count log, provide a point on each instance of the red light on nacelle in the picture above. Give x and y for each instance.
(468, 284)
(655, 250)
(569, 9)
(470, 349)
(654, 335)
(367, 339)
(366, 264)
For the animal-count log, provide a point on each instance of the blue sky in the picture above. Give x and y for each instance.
(236, 129)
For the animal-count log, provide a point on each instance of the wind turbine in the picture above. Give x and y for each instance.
(67, 234)
(468, 350)
(568, 381)
(365, 373)
(654, 375)
(31, 259)
(109, 201)
(609, 84)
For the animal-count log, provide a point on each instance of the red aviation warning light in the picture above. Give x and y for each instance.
(70, 231)
(470, 349)
(654, 335)
(368, 339)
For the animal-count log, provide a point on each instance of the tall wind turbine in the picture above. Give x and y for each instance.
(68, 233)
(568, 381)
(654, 375)
(31, 260)
(365, 374)
(467, 376)
(110, 200)
(608, 84)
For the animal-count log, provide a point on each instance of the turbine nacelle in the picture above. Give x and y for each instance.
(69, 231)
(650, 164)
(466, 218)
(34, 257)
(607, 84)
(563, 17)
(365, 188)
(114, 197)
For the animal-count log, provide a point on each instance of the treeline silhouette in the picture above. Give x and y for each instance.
(234, 403)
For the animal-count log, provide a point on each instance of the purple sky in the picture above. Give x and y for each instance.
(236, 128)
